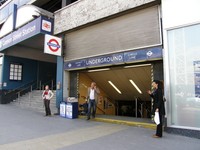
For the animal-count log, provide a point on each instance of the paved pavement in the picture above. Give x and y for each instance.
(22, 129)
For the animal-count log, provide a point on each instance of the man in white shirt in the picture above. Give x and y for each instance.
(93, 92)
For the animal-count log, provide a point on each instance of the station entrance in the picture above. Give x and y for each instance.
(123, 89)
(26, 66)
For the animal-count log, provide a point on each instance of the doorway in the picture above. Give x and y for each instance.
(123, 89)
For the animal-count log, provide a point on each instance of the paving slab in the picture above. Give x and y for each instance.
(24, 129)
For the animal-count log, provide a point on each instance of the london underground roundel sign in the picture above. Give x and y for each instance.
(52, 45)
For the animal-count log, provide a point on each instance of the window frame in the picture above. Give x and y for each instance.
(15, 71)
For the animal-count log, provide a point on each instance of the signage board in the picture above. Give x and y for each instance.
(135, 55)
(105, 60)
(52, 45)
(46, 25)
(62, 109)
(117, 58)
(75, 64)
(69, 110)
(19, 35)
(155, 52)
(37, 26)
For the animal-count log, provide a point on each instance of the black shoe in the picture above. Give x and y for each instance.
(88, 118)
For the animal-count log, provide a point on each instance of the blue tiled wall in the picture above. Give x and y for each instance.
(32, 71)
(29, 72)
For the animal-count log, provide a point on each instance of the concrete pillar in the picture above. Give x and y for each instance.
(59, 81)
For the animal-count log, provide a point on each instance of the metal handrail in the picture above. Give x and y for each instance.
(24, 89)
(108, 99)
(28, 87)
(101, 110)
(18, 87)
(41, 86)
(144, 104)
(12, 94)
(31, 89)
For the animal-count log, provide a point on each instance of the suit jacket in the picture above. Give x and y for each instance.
(96, 92)
(158, 102)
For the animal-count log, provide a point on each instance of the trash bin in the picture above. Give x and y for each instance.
(72, 108)
(63, 109)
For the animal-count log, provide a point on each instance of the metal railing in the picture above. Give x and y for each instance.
(51, 84)
(143, 107)
(11, 95)
(28, 90)
(16, 93)
(103, 111)
(20, 87)
(32, 87)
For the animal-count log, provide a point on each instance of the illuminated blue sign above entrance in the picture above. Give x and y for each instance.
(96, 61)
(105, 60)
(39, 25)
(144, 54)
(117, 58)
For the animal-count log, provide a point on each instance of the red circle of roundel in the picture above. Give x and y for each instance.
(53, 47)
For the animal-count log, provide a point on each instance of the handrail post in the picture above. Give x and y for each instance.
(135, 107)
(18, 95)
(51, 84)
(141, 107)
(29, 97)
(31, 91)
(40, 85)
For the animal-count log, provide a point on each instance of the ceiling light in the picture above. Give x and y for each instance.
(115, 87)
(137, 88)
(104, 69)
(135, 66)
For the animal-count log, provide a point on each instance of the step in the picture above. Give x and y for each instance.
(37, 108)
(129, 123)
(33, 104)
(34, 101)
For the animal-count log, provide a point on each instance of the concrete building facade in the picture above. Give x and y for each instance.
(181, 30)
(111, 41)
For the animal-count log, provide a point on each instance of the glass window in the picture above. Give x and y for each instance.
(8, 9)
(11, 77)
(15, 72)
(22, 2)
(4, 13)
(184, 62)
